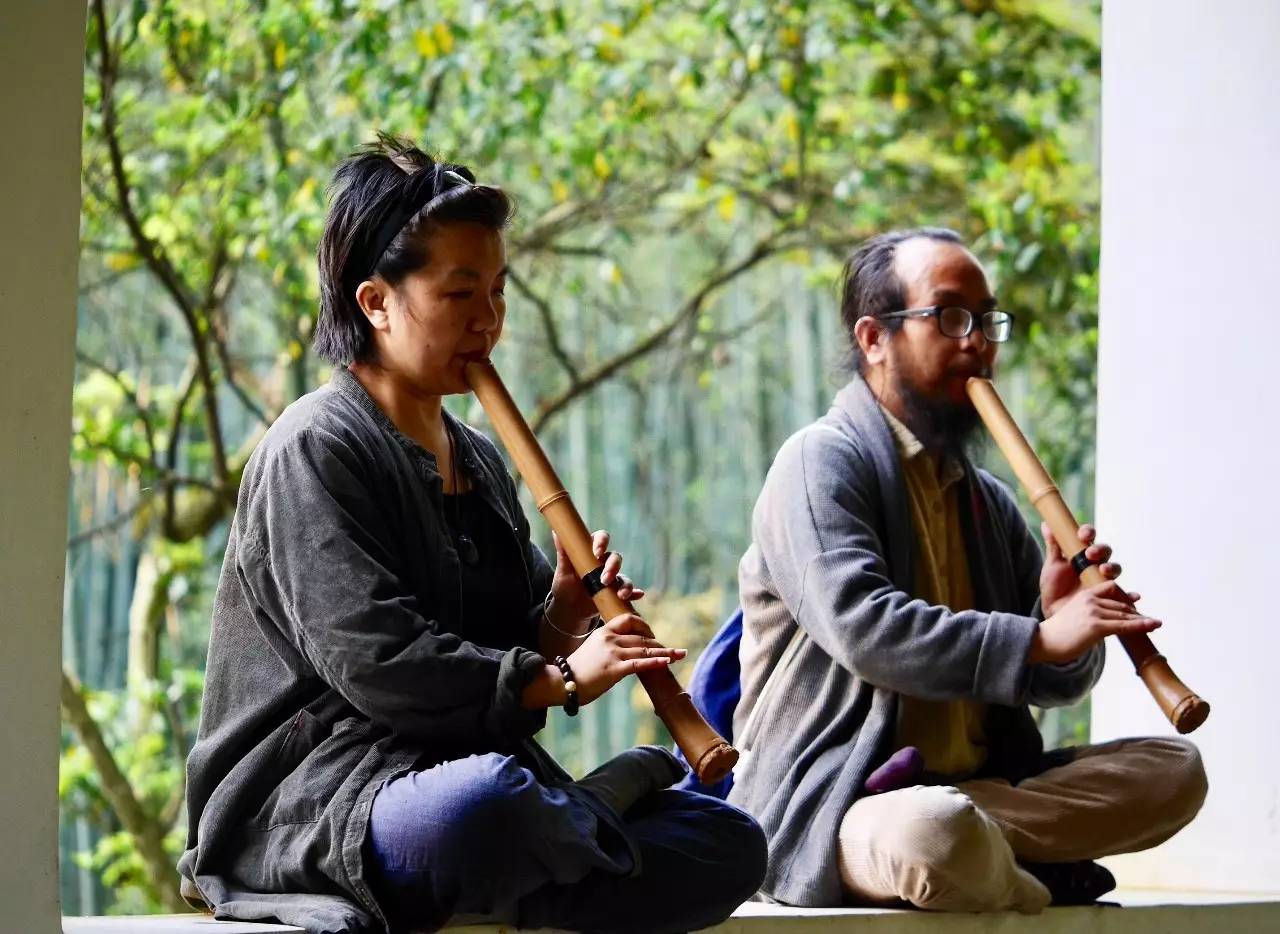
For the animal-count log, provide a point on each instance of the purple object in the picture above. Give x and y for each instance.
(900, 770)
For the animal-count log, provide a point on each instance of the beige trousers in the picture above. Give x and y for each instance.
(956, 849)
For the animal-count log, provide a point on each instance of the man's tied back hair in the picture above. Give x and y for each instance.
(872, 287)
(384, 201)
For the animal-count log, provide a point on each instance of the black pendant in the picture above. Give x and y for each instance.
(468, 553)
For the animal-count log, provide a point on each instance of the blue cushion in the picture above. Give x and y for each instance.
(715, 689)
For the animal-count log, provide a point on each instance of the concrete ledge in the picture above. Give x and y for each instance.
(1137, 912)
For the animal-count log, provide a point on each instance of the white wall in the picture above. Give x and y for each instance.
(41, 76)
(1189, 403)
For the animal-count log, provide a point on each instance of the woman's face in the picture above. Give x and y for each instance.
(450, 311)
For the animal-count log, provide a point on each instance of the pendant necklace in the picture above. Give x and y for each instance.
(468, 553)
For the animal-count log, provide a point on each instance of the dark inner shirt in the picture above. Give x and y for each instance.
(494, 600)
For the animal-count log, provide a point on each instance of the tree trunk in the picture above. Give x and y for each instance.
(147, 833)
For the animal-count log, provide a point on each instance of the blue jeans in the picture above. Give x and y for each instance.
(481, 839)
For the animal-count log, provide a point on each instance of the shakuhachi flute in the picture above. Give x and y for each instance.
(1180, 704)
(707, 752)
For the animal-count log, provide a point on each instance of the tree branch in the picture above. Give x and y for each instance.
(181, 749)
(144, 412)
(548, 325)
(763, 249)
(147, 833)
(147, 248)
(220, 286)
(102, 528)
(171, 455)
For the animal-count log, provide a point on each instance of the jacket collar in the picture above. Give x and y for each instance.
(484, 469)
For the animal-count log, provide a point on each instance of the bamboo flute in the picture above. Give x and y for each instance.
(1184, 709)
(710, 756)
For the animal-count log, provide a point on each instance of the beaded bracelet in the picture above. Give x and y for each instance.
(570, 686)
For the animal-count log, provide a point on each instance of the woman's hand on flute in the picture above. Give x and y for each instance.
(1058, 579)
(571, 605)
(623, 646)
(1085, 619)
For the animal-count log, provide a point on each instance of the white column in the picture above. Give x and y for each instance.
(41, 79)
(1189, 403)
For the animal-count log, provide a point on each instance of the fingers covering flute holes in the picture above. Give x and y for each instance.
(623, 646)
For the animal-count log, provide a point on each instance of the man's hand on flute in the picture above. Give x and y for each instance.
(1085, 619)
(1059, 581)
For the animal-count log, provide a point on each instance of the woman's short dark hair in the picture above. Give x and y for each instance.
(872, 287)
(385, 200)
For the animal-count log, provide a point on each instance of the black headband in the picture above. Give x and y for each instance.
(424, 188)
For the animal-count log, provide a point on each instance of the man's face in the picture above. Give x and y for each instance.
(922, 360)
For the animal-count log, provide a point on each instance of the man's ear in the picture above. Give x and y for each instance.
(371, 296)
(872, 338)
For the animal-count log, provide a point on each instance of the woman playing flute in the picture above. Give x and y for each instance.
(387, 640)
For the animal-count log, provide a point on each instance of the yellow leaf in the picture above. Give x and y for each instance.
(559, 191)
(425, 44)
(790, 37)
(793, 128)
(344, 105)
(609, 271)
(120, 262)
(305, 191)
(601, 165)
(727, 205)
(295, 350)
(613, 29)
(444, 37)
(787, 81)
(280, 53)
(901, 99)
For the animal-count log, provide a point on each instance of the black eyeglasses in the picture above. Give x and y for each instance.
(957, 322)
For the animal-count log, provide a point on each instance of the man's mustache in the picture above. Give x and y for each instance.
(971, 368)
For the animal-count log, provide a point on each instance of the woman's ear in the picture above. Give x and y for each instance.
(371, 296)
(872, 338)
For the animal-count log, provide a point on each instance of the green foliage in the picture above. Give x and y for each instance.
(148, 729)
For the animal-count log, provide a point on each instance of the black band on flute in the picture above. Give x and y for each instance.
(1080, 562)
(591, 580)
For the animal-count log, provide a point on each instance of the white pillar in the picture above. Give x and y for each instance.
(1189, 403)
(41, 80)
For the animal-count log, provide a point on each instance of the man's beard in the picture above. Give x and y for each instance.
(944, 427)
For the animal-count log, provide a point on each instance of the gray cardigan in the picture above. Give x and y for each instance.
(339, 658)
(827, 583)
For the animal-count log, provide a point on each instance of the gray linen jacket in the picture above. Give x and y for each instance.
(338, 660)
(825, 589)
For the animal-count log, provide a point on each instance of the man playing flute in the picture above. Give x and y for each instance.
(894, 597)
